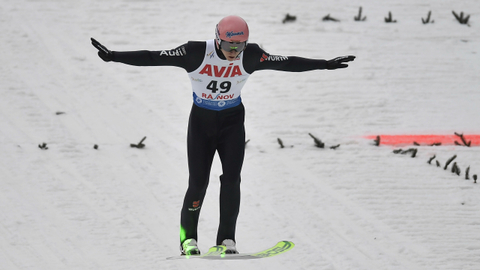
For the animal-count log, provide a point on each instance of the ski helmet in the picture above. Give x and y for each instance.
(232, 29)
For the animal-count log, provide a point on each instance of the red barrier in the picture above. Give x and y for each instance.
(425, 139)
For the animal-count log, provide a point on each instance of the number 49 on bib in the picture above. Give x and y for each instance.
(224, 86)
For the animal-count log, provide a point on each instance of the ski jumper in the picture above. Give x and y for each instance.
(216, 122)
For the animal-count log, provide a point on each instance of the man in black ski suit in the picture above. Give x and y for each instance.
(217, 69)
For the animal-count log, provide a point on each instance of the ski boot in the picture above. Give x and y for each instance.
(230, 245)
(189, 247)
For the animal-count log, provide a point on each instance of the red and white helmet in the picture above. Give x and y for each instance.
(232, 29)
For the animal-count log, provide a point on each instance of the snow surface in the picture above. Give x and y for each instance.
(356, 207)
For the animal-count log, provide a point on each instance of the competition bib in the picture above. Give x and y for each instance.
(217, 83)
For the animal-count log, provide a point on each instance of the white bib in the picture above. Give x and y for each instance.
(217, 83)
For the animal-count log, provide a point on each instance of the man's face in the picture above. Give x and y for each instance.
(231, 55)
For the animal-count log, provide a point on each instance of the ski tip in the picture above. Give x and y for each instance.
(287, 243)
(279, 248)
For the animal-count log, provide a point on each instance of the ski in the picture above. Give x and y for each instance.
(217, 253)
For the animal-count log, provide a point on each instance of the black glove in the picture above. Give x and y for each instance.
(103, 52)
(338, 62)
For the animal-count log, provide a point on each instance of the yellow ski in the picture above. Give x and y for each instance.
(218, 253)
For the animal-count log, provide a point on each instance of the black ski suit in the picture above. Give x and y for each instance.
(211, 131)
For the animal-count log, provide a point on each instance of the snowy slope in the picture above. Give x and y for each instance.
(357, 207)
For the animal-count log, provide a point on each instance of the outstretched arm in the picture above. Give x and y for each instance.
(258, 59)
(187, 56)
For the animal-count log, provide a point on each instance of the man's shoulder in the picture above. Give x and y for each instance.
(253, 46)
(254, 49)
(195, 45)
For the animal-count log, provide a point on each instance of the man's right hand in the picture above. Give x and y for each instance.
(103, 52)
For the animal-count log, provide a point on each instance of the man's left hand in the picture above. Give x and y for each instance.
(338, 62)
